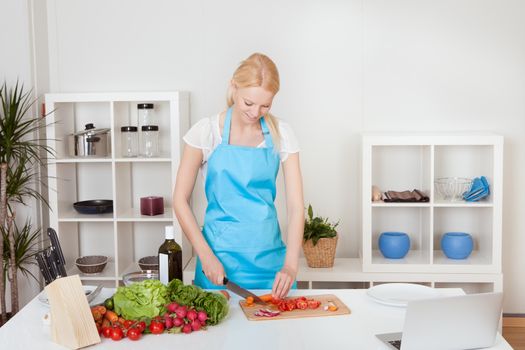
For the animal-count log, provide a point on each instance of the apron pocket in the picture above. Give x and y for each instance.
(245, 237)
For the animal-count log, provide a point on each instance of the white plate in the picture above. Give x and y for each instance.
(42, 297)
(399, 294)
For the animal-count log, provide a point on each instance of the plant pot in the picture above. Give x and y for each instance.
(322, 254)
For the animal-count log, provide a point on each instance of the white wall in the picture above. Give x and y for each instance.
(346, 67)
(16, 63)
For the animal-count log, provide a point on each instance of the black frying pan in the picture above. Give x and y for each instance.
(95, 206)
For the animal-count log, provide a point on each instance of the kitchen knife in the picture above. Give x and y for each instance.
(43, 268)
(58, 256)
(51, 264)
(235, 288)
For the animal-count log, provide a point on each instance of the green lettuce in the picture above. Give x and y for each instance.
(143, 299)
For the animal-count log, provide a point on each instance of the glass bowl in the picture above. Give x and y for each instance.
(452, 188)
(139, 276)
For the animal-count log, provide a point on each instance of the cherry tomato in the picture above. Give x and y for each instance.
(128, 323)
(134, 333)
(141, 326)
(106, 332)
(156, 327)
(116, 333)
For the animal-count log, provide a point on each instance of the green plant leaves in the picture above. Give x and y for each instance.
(318, 227)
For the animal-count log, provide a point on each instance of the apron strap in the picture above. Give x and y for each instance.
(266, 133)
(226, 127)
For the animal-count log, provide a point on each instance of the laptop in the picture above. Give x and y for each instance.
(446, 323)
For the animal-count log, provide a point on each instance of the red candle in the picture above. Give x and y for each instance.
(151, 205)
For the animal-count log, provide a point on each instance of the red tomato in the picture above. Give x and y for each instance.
(226, 294)
(156, 327)
(313, 304)
(141, 326)
(134, 333)
(128, 323)
(275, 301)
(290, 305)
(301, 304)
(116, 333)
(106, 332)
(282, 305)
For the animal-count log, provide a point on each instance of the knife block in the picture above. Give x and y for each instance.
(72, 324)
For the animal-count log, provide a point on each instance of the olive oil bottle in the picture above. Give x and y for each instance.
(170, 258)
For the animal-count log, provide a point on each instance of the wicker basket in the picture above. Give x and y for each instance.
(322, 254)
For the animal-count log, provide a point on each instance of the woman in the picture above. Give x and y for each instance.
(239, 152)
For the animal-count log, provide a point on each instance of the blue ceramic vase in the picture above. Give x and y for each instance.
(394, 245)
(457, 245)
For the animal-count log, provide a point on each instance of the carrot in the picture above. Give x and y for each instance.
(249, 301)
(266, 297)
(111, 316)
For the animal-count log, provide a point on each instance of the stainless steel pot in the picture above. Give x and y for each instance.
(89, 142)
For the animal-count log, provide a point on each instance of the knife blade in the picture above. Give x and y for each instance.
(235, 288)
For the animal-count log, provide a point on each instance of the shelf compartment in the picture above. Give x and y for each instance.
(108, 274)
(72, 117)
(125, 113)
(476, 221)
(81, 181)
(137, 180)
(401, 168)
(415, 221)
(136, 240)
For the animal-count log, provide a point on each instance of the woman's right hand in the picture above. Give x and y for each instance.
(213, 269)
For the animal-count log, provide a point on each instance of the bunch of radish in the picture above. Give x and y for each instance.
(180, 318)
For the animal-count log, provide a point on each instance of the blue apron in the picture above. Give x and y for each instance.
(241, 224)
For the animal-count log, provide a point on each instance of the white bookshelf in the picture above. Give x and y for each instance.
(401, 162)
(124, 235)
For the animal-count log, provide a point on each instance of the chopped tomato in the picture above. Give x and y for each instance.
(301, 304)
(290, 305)
(282, 306)
(313, 304)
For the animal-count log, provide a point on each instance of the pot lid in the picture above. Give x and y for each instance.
(91, 130)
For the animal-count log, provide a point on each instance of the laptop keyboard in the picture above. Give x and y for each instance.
(395, 343)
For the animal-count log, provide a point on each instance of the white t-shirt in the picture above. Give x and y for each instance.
(206, 135)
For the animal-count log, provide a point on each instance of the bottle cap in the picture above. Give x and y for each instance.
(170, 232)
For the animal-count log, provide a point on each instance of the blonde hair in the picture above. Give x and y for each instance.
(259, 70)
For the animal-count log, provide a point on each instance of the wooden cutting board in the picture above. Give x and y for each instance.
(342, 309)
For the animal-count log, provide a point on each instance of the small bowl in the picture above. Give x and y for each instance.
(452, 188)
(394, 245)
(95, 206)
(92, 263)
(139, 276)
(149, 263)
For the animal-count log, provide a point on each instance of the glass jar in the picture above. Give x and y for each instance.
(146, 114)
(150, 141)
(129, 141)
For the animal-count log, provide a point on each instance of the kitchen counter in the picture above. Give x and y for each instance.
(355, 331)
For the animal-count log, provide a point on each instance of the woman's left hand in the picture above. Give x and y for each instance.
(284, 280)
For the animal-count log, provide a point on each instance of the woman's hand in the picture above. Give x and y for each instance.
(213, 269)
(284, 280)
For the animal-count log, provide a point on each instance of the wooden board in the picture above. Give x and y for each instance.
(342, 309)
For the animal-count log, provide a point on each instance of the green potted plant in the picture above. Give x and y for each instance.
(319, 240)
(21, 154)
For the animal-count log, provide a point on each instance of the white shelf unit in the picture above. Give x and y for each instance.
(401, 162)
(124, 235)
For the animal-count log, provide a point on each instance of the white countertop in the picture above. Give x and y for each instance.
(355, 331)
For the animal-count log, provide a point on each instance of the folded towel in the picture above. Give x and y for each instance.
(405, 196)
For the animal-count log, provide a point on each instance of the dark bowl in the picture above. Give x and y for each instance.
(149, 263)
(95, 206)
